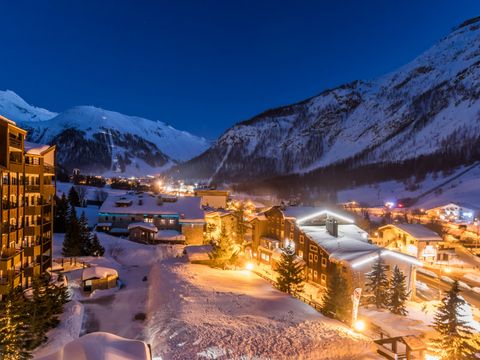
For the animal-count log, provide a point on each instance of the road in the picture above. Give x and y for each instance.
(439, 285)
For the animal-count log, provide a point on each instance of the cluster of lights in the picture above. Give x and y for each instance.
(402, 257)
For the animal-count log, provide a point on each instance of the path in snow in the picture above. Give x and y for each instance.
(196, 312)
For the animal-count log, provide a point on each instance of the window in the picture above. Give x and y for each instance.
(171, 221)
(324, 261)
(300, 253)
(323, 279)
(302, 240)
(313, 248)
(315, 258)
(315, 275)
(310, 257)
(291, 234)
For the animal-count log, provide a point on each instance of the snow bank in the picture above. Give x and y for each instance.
(102, 346)
(196, 312)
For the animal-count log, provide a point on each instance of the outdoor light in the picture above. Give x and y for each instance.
(249, 266)
(448, 270)
(359, 325)
(431, 357)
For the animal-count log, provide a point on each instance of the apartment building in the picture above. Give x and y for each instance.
(27, 188)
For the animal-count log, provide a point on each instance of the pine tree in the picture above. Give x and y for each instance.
(291, 272)
(398, 294)
(222, 249)
(97, 249)
(456, 341)
(84, 236)
(71, 243)
(73, 197)
(337, 301)
(11, 330)
(61, 210)
(377, 284)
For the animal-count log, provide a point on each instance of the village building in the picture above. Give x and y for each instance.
(213, 198)
(412, 239)
(323, 240)
(454, 212)
(144, 216)
(216, 219)
(27, 188)
(99, 278)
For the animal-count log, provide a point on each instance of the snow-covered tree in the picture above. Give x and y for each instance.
(96, 248)
(456, 341)
(377, 284)
(84, 236)
(73, 197)
(290, 272)
(398, 294)
(337, 301)
(61, 210)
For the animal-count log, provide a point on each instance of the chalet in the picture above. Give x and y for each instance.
(412, 239)
(99, 278)
(323, 240)
(216, 219)
(145, 216)
(213, 198)
(455, 212)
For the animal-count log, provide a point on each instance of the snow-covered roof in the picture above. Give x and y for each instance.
(143, 225)
(188, 207)
(464, 205)
(102, 345)
(118, 231)
(169, 235)
(351, 243)
(309, 212)
(35, 149)
(104, 224)
(98, 272)
(418, 231)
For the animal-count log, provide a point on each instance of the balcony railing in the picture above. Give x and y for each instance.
(32, 188)
(9, 253)
(15, 142)
(48, 169)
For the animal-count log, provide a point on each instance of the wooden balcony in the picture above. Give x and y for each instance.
(32, 188)
(48, 169)
(32, 270)
(33, 210)
(32, 250)
(32, 231)
(9, 258)
(16, 143)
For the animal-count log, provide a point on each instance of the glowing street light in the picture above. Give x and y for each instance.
(359, 325)
(249, 266)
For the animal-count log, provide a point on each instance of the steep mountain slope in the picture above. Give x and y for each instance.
(103, 142)
(429, 106)
(14, 107)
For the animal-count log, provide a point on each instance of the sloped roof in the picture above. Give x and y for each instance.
(98, 272)
(143, 225)
(35, 149)
(418, 231)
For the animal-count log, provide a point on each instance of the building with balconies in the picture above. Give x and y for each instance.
(27, 188)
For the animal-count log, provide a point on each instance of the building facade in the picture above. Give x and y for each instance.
(27, 189)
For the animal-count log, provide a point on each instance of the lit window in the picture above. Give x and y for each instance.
(324, 261)
(300, 253)
(301, 239)
(315, 258)
(323, 278)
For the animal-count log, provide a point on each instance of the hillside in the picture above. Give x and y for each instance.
(425, 109)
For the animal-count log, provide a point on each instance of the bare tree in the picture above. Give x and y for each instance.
(101, 195)
(82, 193)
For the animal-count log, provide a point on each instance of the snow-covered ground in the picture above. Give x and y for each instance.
(195, 312)
(198, 312)
(465, 188)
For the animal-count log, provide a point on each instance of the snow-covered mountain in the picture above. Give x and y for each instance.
(101, 141)
(429, 106)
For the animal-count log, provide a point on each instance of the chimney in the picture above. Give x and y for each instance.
(332, 227)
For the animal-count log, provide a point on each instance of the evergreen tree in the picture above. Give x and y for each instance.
(291, 272)
(97, 249)
(84, 236)
(456, 340)
(11, 330)
(222, 248)
(61, 210)
(377, 284)
(398, 294)
(71, 243)
(73, 197)
(337, 301)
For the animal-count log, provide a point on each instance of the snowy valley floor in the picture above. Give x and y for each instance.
(195, 312)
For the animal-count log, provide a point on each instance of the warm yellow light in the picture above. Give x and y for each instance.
(431, 357)
(249, 266)
(359, 325)
(448, 270)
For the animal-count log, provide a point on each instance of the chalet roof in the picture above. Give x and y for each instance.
(188, 207)
(302, 212)
(35, 149)
(143, 225)
(98, 272)
(418, 231)
(351, 243)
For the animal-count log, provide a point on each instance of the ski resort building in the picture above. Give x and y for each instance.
(152, 218)
(412, 239)
(213, 198)
(323, 240)
(27, 188)
(454, 212)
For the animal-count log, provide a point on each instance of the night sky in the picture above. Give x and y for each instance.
(205, 65)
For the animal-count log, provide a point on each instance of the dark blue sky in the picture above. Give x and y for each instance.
(204, 65)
